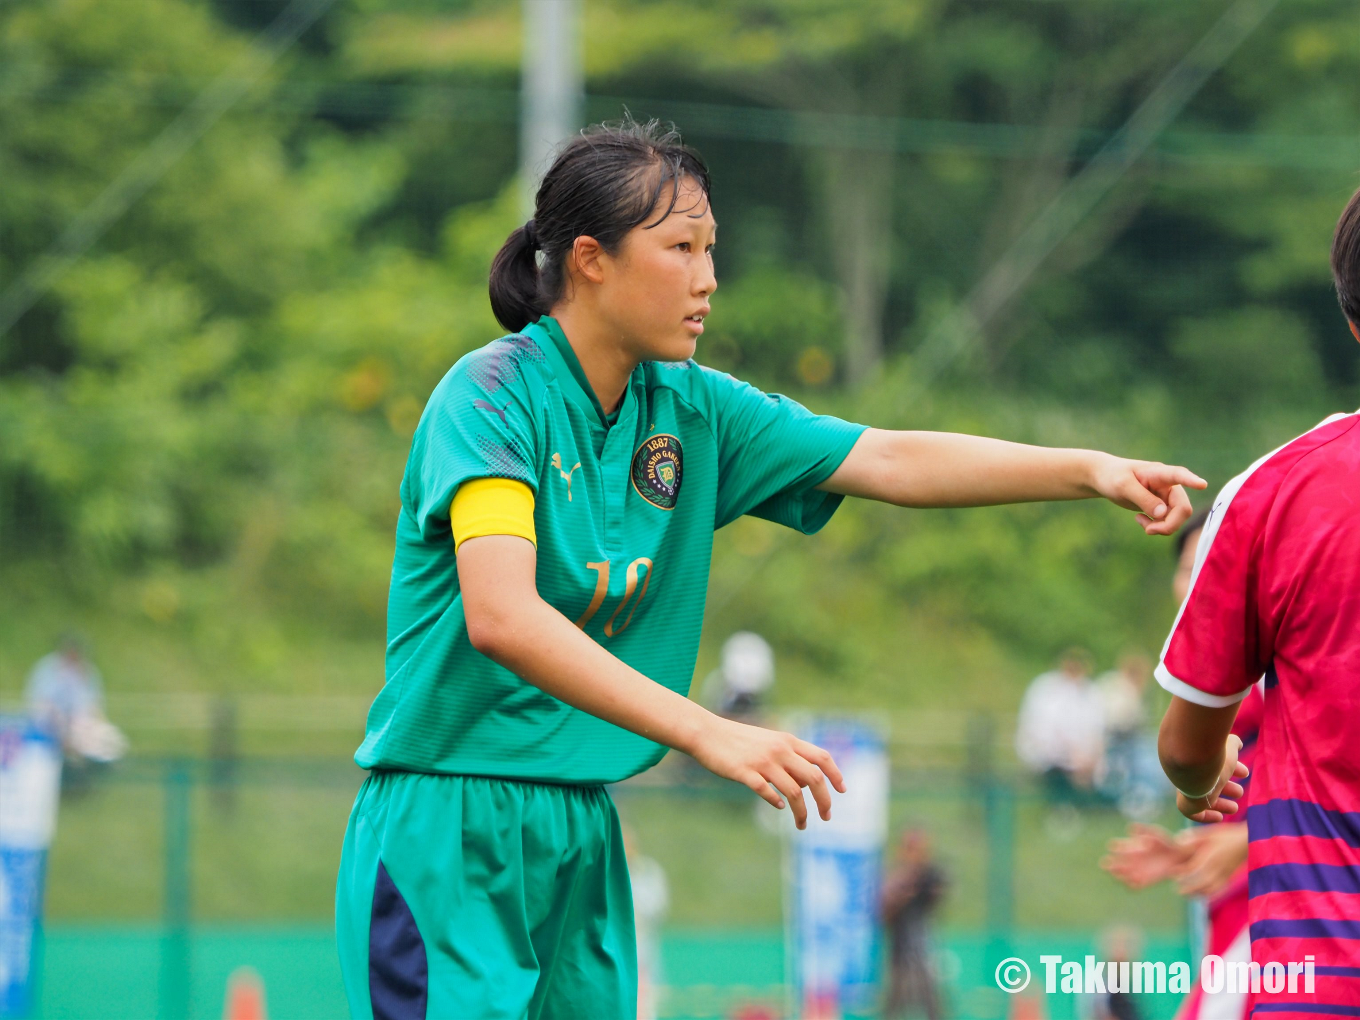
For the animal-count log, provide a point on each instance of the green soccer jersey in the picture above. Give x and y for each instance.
(624, 514)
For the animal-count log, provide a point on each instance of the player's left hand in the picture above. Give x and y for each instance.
(770, 763)
(1155, 490)
(1222, 799)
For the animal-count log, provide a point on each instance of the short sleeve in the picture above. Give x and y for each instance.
(479, 423)
(773, 453)
(1213, 655)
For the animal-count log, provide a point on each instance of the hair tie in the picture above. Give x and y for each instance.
(531, 235)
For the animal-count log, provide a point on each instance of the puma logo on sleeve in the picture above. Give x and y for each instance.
(482, 405)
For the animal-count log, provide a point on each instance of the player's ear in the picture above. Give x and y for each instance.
(586, 256)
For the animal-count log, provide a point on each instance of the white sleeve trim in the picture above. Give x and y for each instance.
(1184, 691)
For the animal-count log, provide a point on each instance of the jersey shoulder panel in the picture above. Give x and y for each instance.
(712, 393)
(689, 381)
(502, 386)
(513, 363)
(484, 419)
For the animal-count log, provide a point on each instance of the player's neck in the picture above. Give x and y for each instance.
(606, 365)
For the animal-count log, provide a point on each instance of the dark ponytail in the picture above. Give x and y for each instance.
(516, 297)
(603, 183)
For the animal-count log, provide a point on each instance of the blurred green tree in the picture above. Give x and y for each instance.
(226, 385)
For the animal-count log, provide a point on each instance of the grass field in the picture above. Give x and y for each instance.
(267, 850)
(298, 690)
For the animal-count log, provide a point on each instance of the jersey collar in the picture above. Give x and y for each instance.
(569, 372)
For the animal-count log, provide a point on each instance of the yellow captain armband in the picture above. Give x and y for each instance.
(492, 506)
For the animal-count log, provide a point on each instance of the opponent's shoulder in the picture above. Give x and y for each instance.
(1336, 436)
(1333, 436)
(1244, 509)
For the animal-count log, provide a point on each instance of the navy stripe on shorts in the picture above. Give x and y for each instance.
(398, 970)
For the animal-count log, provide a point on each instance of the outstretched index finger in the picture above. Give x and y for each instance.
(1161, 477)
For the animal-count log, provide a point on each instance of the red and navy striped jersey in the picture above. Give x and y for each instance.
(1276, 593)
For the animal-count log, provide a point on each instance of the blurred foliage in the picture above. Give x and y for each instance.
(203, 425)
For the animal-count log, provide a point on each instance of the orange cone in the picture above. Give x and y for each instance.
(245, 996)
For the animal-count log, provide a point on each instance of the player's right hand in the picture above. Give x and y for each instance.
(1155, 490)
(1222, 799)
(771, 763)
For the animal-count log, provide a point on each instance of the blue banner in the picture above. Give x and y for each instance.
(836, 873)
(30, 779)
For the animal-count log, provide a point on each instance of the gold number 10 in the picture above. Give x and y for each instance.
(602, 589)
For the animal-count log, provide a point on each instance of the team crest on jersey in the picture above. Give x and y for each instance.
(657, 470)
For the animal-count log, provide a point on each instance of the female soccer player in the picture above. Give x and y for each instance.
(548, 587)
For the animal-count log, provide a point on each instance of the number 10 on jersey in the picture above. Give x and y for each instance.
(631, 588)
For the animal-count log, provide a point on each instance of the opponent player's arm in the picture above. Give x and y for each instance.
(944, 469)
(1147, 855)
(1199, 756)
(508, 622)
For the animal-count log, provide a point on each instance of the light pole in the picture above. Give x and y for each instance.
(552, 87)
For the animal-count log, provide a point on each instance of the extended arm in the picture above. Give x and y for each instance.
(508, 622)
(944, 469)
(1199, 755)
(1202, 859)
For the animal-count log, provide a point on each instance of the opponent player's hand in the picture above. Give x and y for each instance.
(1222, 799)
(1216, 852)
(770, 763)
(1148, 855)
(1156, 490)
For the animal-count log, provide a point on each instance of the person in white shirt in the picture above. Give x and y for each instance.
(65, 693)
(1061, 731)
(1123, 690)
(1132, 776)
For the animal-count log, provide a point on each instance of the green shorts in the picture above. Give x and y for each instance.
(464, 898)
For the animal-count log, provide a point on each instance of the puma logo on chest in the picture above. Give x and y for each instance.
(566, 475)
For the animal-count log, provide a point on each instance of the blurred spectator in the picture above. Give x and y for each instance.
(1206, 862)
(1132, 775)
(738, 686)
(1122, 690)
(1121, 946)
(912, 893)
(1061, 731)
(651, 902)
(65, 693)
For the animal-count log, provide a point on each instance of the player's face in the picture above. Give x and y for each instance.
(663, 279)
